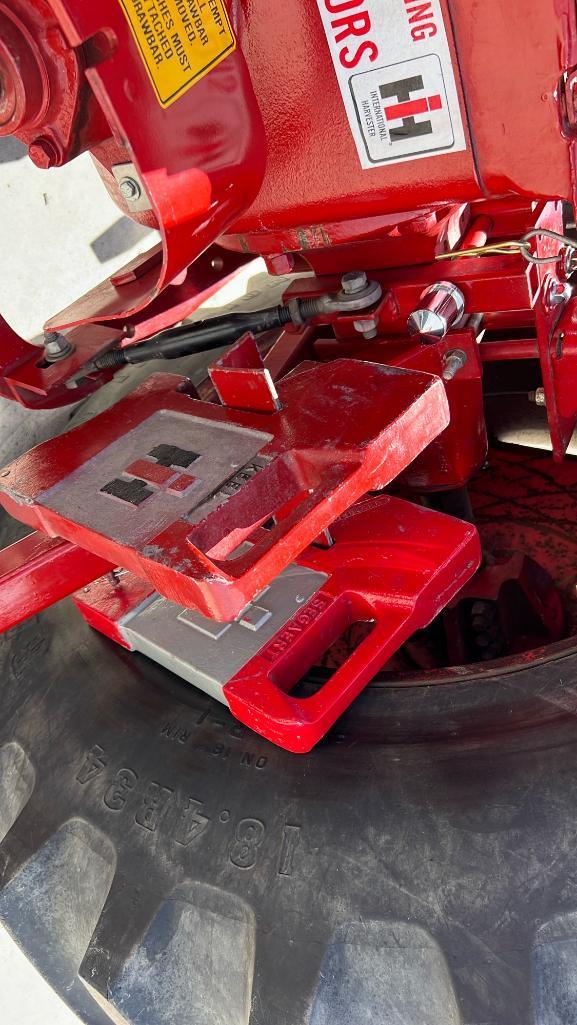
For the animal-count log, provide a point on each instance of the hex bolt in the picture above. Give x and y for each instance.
(538, 397)
(454, 361)
(570, 260)
(559, 292)
(368, 328)
(354, 281)
(56, 347)
(43, 153)
(130, 190)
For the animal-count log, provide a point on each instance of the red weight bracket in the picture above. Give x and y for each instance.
(38, 571)
(241, 379)
(393, 566)
(342, 429)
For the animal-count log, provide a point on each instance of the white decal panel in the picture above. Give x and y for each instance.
(395, 72)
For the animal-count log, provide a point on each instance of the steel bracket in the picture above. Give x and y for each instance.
(393, 566)
(171, 488)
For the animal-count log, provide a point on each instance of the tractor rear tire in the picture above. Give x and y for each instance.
(162, 865)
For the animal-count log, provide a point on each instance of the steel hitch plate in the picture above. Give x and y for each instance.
(209, 503)
(392, 566)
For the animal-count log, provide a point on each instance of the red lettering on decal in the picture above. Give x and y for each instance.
(352, 60)
(358, 24)
(353, 21)
(420, 13)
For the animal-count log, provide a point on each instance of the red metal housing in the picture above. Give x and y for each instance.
(428, 143)
(392, 566)
(175, 498)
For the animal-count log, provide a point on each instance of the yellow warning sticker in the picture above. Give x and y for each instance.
(180, 41)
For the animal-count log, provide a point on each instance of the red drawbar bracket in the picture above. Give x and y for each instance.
(393, 565)
(38, 571)
(210, 503)
(241, 379)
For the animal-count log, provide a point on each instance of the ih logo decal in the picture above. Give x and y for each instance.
(407, 108)
(161, 470)
(403, 110)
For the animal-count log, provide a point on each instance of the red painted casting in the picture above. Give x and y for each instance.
(258, 156)
(342, 429)
(392, 564)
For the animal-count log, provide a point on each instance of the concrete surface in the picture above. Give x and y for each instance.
(60, 235)
(25, 998)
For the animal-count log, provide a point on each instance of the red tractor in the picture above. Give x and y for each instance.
(335, 506)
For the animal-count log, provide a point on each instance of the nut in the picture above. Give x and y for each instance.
(538, 397)
(130, 190)
(368, 328)
(454, 361)
(354, 281)
(56, 347)
(43, 153)
(559, 292)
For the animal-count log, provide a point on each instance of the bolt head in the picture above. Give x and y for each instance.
(43, 153)
(454, 361)
(559, 293)
(56, 347)
(368, 328)
(130, 190)
(354, 281)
